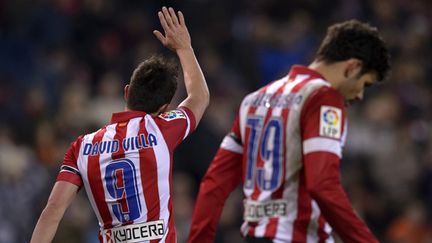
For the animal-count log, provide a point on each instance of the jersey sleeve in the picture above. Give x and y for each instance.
(176, 125)
(323, 127)
(323, 122)
(69, 170)
(222, 177)
(232, 141)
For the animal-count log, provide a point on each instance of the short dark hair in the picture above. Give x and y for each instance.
(153, 84)
(354, 39)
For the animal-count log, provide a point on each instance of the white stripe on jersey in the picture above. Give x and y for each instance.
(230, 144)
(104, 160)
(163, 162)
(321, 144)
(133, 129)
(188, 123)
(82, 162)
(260, 229)
(328, 229)
(345, 132)
(312, 231)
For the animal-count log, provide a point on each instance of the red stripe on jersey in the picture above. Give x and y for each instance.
(271, 228)
(95, 182)
(301, 84)
(149, 179)
(304, 210)
(121, 130)
(252, 227)
(322, 235)
(120, 184)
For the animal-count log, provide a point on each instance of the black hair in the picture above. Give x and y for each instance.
(354, 39)
(153, 84)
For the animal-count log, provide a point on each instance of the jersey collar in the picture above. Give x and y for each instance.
(126, 116)
(299, 69)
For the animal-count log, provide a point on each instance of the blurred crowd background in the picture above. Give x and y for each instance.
(63, 65)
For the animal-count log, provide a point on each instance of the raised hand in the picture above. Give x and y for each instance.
(176, 33)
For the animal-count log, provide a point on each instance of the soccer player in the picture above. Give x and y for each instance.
(286, 144)
(125, 167)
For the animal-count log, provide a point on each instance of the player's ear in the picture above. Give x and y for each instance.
(353, 68)
(126, 92)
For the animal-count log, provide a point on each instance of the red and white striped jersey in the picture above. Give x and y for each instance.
(285, 146)
(125, 168)
(274, 140)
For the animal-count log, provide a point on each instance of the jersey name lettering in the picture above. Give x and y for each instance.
(128, 144)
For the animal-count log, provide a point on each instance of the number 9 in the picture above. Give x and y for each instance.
(120, 177)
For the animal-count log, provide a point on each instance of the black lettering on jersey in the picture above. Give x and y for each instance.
(152, 230)
(160, 228)
(144, 232)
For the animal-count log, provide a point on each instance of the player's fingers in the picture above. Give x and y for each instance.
(173, 16)
(167, 16)
(159, 36)
(181, 18)
(163, 21)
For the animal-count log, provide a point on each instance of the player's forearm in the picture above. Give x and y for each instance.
(337, 210)
(324, 186)
(61, 196)
(195, 83)
(46, 226)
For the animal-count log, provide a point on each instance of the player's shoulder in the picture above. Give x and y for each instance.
(256, 95)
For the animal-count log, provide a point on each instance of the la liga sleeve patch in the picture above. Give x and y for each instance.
(330, 122)
(172, 115)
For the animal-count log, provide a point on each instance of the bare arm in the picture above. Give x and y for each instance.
(177, 38)
(61, 197)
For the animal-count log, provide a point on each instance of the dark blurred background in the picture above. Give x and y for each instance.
(63, 65)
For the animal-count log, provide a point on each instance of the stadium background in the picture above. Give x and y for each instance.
(63, 64)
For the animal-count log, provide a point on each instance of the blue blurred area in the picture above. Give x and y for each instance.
(63, 65)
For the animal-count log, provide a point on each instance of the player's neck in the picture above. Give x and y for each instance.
(161, 110)
(330, 72)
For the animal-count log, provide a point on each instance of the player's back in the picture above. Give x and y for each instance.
(276, 202)
(125, 168)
